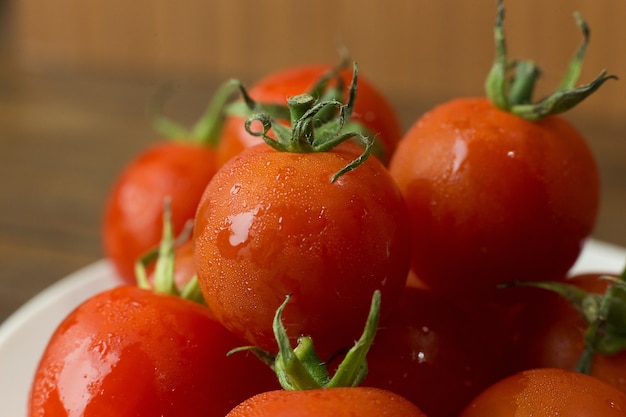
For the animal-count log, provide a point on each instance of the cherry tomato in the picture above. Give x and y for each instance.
(499, 188)
(274, 223)
(129, 351)
(177, 169)
(494, 198)
(336, 402)
(372, 109)
(133, 214)
(548, 392)
(428, 348)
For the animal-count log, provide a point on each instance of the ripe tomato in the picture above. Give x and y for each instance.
(178, 169)
(551, 333)
(372, 109)
(134, 210)
(274, 223)
(336, 402)
(129, 351)
(493, 197)
(498, 189)
(548, 392)
(425, 350)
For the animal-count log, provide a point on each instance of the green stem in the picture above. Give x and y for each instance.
(584, 362)
(353, 368)
(292, 374)
(301, 368)
(164, 255)
(514, 94)
(207, 129)
(496, 83)
(309, 132)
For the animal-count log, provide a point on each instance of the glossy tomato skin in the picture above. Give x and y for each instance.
(272, 223)
(133, 215)
(336, 402)
(494, 198)
(372, 108)
(131, 352)
(427, 349)
(548, 392)
(550, 333)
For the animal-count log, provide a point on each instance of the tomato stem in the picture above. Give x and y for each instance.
(207, 129)
(514, 93)
(301, 368)
(165, 257)
(605, 315)
(310, 130)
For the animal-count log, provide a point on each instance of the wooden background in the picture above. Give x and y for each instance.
(413, 49)
(75, 76)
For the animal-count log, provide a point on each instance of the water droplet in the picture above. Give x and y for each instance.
(235, 189)
(240, 225)
(459, 149)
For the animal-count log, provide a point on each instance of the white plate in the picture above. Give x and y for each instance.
(24, 335)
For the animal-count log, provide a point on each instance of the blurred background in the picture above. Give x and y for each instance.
(75, 77)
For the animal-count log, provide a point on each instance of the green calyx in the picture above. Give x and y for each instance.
(510, 84)
(315, 125)
(207, 130)
(300, 368)
(322, 90)
(605, 315)
(164, 259)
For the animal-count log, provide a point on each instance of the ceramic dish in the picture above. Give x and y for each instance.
(23, 336)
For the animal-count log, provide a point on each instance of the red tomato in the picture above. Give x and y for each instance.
(371, 109)
(131, 352)
(336, 402)
(548, 392)
(500, 188)
(427, 349)
(494, 198)
(133, 214)
(551, 333)
(273, 223)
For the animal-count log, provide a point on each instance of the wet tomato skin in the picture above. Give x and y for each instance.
(272, 223)
(428, 348)
(504, 198)
(129, 351)
(133, 215)
(372, 109)
(336, 402)
(547, 392)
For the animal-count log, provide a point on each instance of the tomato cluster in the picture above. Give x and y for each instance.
(313, 215)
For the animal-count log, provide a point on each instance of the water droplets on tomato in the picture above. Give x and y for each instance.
(459, 150)
(240, 225)
(234, 190)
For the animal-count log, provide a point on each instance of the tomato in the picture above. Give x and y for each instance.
(372, 109)
(177, 168)
(336, 402)
(548, 392)
(132, 220)
(427, 349)
(273, 223)
(498, 189)
(504, 198)
(551, 333)
(129, 351)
